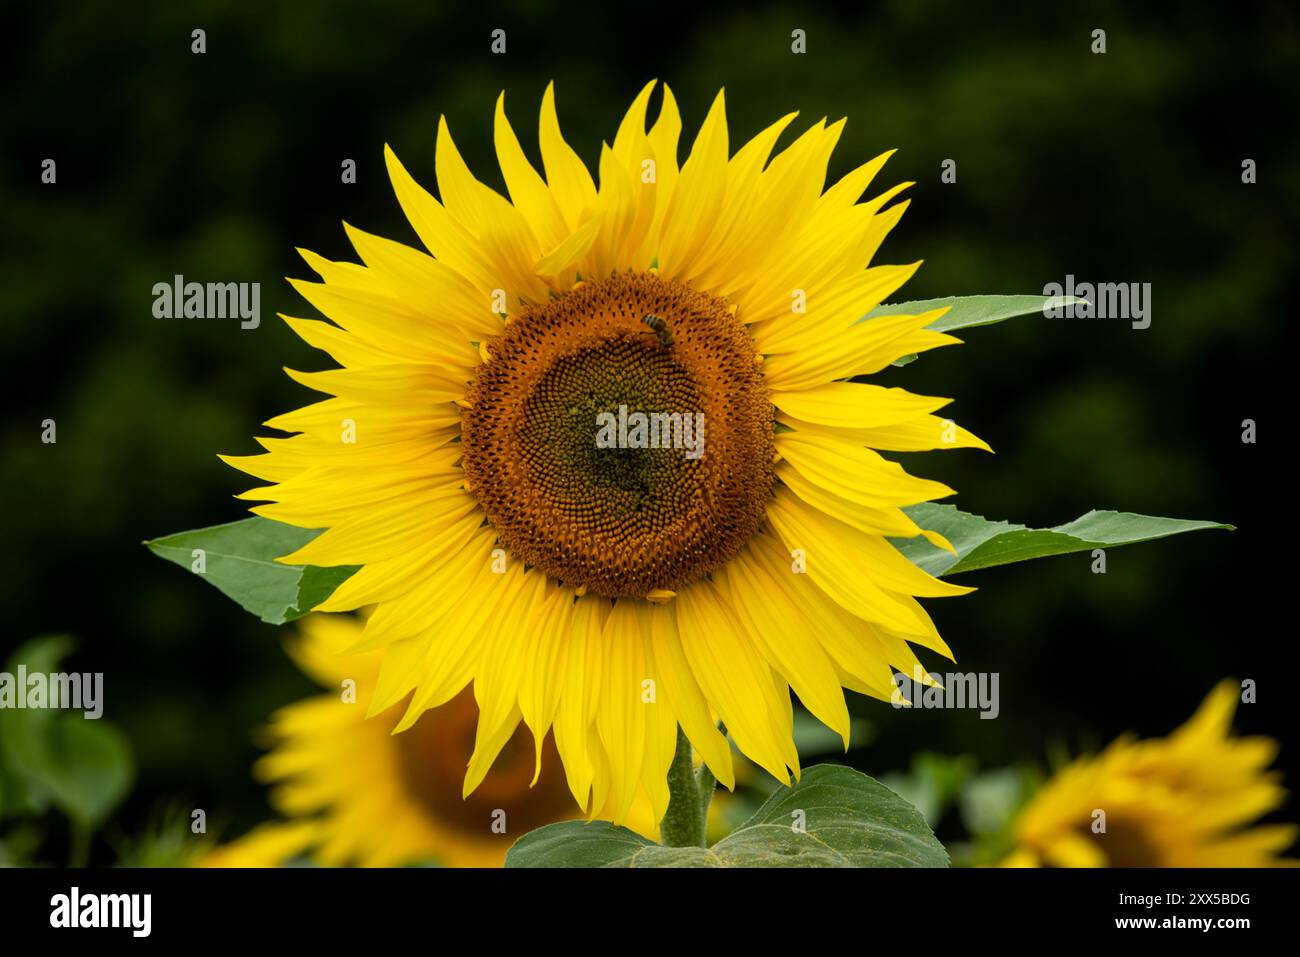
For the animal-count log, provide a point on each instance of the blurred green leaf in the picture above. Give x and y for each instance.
(19, 847)
(91, 768)
(833, 817)
(3, 788)
(21, 730)
(933, 782)
(239, 558)
(990, 800)
(966, 311)
(981, 543)
(82, 766)
(165, 840)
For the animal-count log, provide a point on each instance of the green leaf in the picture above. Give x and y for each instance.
(578, 844)
(240, 560)
(834, 817)
(983, 544)
(91, 768)
(966, 311)
(990, 800)
(933, 782)
(82, 766)
(22, 731)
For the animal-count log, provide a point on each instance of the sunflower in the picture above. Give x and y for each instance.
(267, 845)
(1181, 801)
(350, 792)
(617, 595)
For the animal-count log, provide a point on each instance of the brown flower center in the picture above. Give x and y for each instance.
(1127, 843)
(619, 437)
(434, 752)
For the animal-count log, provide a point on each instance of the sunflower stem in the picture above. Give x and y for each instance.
(705, 782)
(683, 825)
(79, 847)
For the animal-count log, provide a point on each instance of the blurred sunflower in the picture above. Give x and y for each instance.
(1181, 801)
(268, 845)
(351, 792)
(616, 594)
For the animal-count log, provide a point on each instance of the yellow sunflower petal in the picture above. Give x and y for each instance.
(566, 175)
(697, 196)
(620, 713)
(732, 675)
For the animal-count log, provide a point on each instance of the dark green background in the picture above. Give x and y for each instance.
(1121, 167)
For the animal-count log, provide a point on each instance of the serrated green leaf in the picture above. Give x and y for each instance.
(981, 543)
(317, 584)
(966, 311)
(578, 844)
(240, 560)
(833, 817)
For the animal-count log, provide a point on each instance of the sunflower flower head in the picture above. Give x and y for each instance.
(491, 452)
(1187, 800)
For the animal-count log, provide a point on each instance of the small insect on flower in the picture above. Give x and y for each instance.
(605, 601)
(660, 329)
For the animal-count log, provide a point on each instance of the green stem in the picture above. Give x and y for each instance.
(705, 782)
(79, 846)
(683, 825)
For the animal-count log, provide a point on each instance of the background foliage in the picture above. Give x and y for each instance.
(1122, 167)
